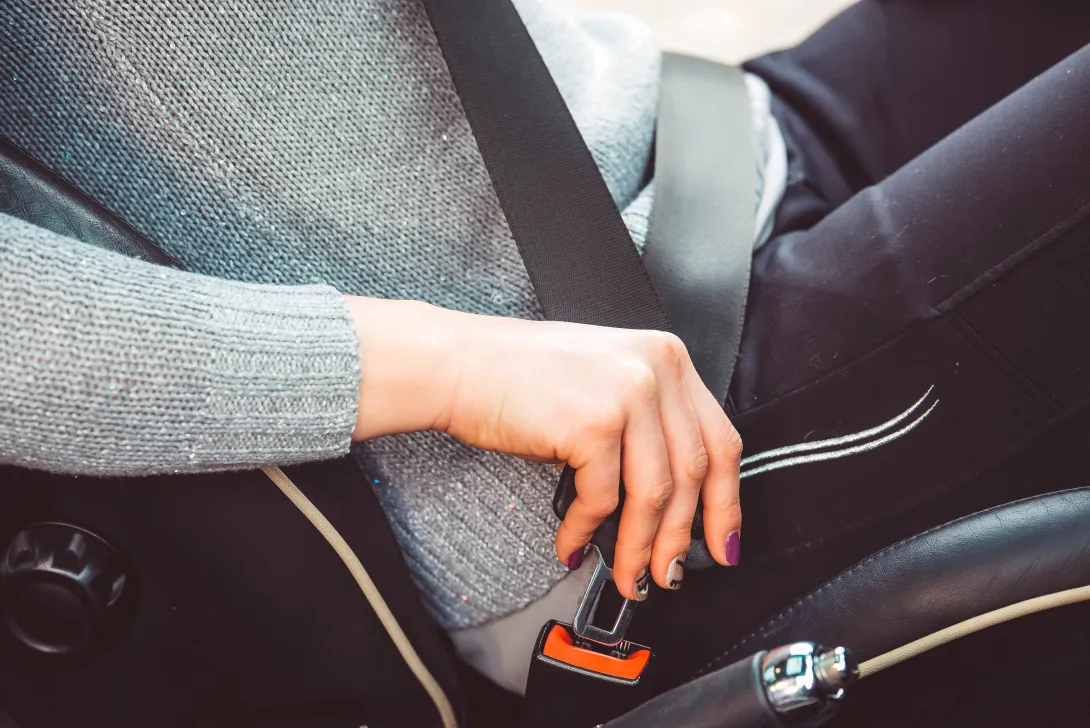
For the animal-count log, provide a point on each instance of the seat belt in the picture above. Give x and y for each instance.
(579, 255)
(577, 250)
(700, 238)
(585, 268)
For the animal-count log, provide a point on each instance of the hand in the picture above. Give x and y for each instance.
(609, 402)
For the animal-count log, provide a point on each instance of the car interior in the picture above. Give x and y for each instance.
(129, 607)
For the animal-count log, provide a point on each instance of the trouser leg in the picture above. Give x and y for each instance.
(887, 79)
(925, 240)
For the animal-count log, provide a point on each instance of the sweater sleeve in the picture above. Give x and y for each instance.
(114, 366)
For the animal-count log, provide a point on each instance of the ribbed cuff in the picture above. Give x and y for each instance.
(112, 366)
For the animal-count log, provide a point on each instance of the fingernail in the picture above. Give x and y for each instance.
(575, 560)
(734, 548)
(676, 573)
(641, 584)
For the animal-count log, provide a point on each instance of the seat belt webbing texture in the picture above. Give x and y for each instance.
(700, 237)
(577, 250)
(580, 258)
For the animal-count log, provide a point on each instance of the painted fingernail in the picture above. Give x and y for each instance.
(734, 548)
(676, 573)
(641, 584)
(576, 559)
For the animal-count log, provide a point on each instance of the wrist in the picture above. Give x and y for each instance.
(408, 365)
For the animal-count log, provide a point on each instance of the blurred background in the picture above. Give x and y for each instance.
(725, 30)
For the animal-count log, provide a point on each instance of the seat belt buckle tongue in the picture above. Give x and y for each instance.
(604, 544)
(582, 624)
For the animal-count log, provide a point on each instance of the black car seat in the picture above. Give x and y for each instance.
(938, 622)
(961, 589)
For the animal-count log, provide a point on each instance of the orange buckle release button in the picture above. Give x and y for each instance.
(560, 646)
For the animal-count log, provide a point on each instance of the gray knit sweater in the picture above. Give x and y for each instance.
(286, 151)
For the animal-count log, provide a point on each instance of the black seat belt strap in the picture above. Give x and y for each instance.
(580, 257)
(700, 237)
(583, 264)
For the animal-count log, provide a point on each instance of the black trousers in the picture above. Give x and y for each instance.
(918, 161)
(917, 340)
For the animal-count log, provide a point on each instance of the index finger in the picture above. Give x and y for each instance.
(596, 488)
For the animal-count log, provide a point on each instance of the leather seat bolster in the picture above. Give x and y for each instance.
(939, 578)
(35, 194)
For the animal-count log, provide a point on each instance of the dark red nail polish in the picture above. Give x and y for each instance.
(734, 548)
(576, 559)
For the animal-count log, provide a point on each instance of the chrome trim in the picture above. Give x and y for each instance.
(581, 624)
(803, 682)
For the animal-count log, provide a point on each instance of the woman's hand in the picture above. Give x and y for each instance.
(609, 402)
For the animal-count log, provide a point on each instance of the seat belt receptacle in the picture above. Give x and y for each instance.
(578, 683)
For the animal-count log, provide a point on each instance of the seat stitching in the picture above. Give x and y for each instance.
(765, 630)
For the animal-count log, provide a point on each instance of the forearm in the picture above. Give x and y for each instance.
(114, 366)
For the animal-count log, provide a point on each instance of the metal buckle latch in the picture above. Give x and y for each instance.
(582, 626)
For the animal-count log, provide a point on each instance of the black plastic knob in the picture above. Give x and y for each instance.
(58, 586)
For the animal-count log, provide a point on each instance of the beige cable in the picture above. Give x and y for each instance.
(969, 626)
(374, 597)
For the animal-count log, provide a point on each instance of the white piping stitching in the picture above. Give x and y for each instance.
(836, 441)
(833, 455)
